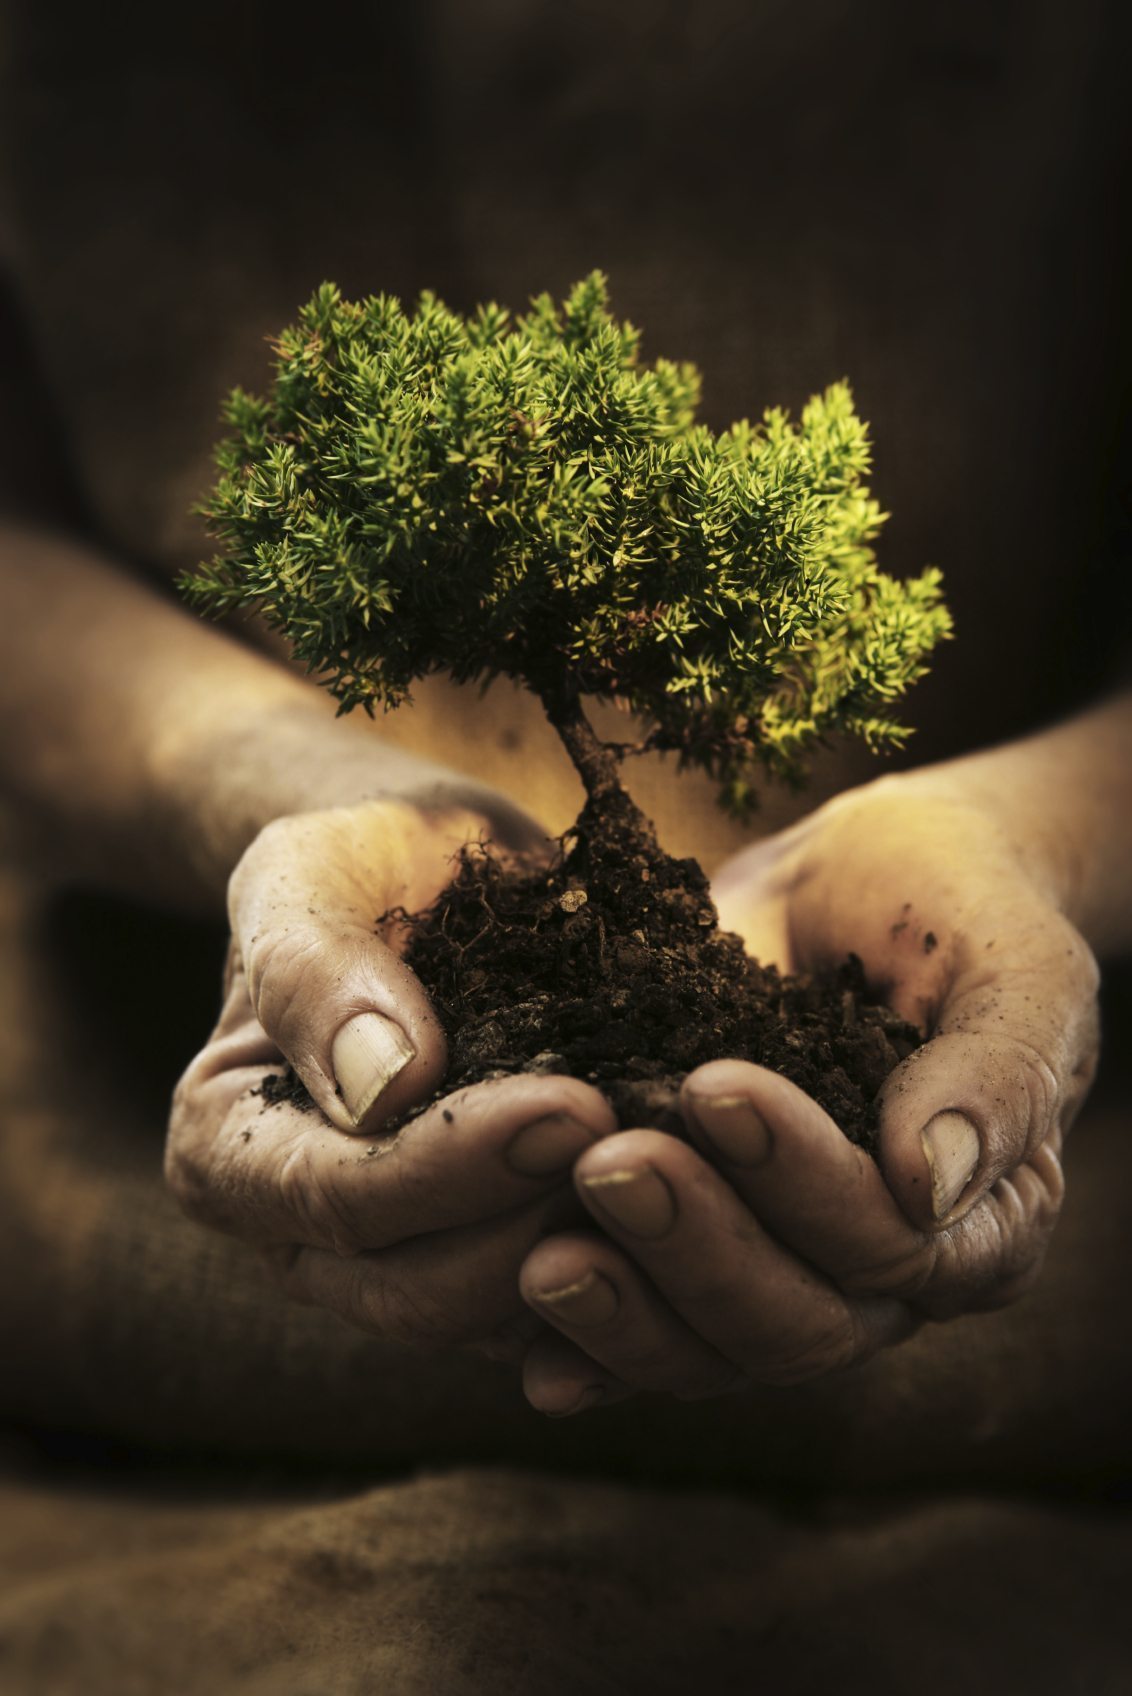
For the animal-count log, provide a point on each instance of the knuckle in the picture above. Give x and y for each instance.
(904, 1275)
(831, 1349)
(1081, 1080)
(994, 1257)
(320, 1210)
(1044, 1178)
(1023, 1112)
(404, 1312)
(1042, 1093)
(278, 964)
(1061, 1069)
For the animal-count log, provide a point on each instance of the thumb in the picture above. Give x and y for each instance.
(1011, 1059)
(335, 999)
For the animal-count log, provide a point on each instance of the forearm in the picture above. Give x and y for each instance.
(153, 747)
(1063, 799)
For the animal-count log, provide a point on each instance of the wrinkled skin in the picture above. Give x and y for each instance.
(678, 1267)
(418, 1237)
(807, 1256)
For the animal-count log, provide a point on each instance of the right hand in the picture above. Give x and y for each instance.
(417, 1237)
(769, 1248)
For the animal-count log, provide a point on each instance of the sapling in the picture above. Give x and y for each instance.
(525, 496)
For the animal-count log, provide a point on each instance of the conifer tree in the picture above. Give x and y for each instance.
(488, 495)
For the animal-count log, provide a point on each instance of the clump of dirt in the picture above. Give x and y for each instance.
(285, 1088)
(611, 966)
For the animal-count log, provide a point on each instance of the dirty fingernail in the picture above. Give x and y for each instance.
(589, 1301)
(589, 1397)
(367, 1055)
(637, 1199)
(548, 1145)
(951, 1147)
(734, 1127)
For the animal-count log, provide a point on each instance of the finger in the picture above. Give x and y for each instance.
(754, 1301)
(827, 1200)
(994, 1252)
(1013, 1054)
(339, 1004)
(592, 1294)
(815, 1191)
(485, 1149)
(454, 1288)
(560, 1380)
(751, 892)
(271, 1173)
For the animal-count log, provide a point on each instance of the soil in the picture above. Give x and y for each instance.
(611, 966)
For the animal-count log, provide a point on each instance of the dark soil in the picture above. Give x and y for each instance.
(611, 967)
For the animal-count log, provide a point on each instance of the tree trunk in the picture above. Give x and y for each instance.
(596, 764)
(611, 821)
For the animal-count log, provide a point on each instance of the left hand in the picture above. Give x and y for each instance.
(772, 1249)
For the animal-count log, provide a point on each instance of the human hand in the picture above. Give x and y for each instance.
(772, 1249)
(419, 1236)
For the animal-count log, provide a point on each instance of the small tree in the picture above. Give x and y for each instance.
(525, 497)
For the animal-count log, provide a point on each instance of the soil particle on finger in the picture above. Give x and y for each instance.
(285, 1088)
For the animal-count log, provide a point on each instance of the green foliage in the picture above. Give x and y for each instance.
(524, 496)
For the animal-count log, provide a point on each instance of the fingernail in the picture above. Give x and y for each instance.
(951, 1146)
(590, 1301)
(588, 1398)
(637, 1199)
(548, 1145)
(734, 1127)
(367, 1055)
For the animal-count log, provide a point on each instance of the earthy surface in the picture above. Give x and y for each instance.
(504, 1581)
(610, 966)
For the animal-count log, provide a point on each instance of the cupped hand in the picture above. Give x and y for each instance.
(417, 1236)
(771, 1249)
